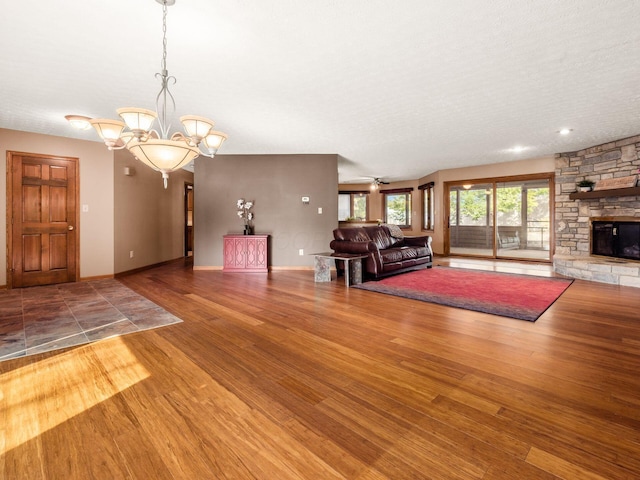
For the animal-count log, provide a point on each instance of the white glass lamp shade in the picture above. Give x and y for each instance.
(163, 155)
(125, 138)
(214, 140)
(196, 127)
(78, 121)
(109, 130)
(138, 119)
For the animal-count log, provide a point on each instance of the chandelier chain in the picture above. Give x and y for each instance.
(165, 79)
(164, 36)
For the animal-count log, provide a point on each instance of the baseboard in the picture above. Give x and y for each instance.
(271, 269)
(281, 268)
(97, 277)
(148, 267)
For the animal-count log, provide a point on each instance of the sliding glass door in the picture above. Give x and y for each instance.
(523, 219)
(471, 219)
(501, 219)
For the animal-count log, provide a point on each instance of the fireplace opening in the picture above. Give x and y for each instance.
(616, 239)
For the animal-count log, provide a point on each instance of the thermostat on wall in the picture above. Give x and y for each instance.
(305, 200)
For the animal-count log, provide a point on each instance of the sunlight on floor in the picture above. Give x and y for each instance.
(63, 386)
(504, 266)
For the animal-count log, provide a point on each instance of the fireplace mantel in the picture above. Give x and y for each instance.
(613, 192)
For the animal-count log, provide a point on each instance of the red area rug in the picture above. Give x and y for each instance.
(524, 297)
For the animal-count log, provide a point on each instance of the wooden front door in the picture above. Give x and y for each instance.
(42, 196)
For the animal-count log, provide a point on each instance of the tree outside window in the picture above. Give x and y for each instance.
(398, 208)
(474, 207)
(359, 206)
(352, 206)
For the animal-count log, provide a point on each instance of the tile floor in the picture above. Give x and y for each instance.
(39, 319)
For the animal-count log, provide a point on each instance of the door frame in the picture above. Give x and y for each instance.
(188, 186)
(446, 241)
(9, 213)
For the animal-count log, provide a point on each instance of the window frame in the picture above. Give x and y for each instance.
(353, 194)
(428, 206)
(545, 180)
(407, 192)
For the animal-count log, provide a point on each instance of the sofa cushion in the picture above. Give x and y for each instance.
(356, 234)
(395, 231)
(414, 252)
(391, 255)
(380, 236)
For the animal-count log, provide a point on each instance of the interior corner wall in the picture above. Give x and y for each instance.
(277, 184)
(96, 193)
(149, 220)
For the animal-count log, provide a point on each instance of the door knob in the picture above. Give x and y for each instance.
(70, 227)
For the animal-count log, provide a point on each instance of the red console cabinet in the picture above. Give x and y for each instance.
(246, 253)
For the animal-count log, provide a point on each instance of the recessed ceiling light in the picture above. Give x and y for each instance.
(518, 149)
(565, 131)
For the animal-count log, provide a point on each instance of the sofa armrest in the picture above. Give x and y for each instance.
(373, 263)
(345, 246)
(421, 241)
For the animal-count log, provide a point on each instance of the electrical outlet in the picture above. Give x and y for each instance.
(301, 251)
(319, 210)
(131, 254)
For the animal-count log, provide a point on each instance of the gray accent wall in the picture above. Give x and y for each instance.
(276, 183)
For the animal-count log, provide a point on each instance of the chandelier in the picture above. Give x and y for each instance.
(158, 150)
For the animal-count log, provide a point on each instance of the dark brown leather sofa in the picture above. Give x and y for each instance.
(387, 254)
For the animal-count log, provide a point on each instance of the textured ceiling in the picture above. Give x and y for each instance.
(397, 89)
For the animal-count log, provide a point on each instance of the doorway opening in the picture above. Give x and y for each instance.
(188, 219)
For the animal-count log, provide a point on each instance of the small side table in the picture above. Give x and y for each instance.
(353, 267)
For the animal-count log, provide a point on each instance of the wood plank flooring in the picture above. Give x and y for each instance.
(276, 377)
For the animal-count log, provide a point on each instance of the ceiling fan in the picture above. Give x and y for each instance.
(375, 184)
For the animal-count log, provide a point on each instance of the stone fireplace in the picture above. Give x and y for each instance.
(576, 214)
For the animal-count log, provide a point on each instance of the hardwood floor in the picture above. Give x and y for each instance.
(276, 377)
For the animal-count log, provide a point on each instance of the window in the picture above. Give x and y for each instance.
(428, 209)
(397, 207)
(353, 206)
(470, 205)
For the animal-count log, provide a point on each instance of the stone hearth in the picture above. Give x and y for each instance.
(606, 270)
(572, 216)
